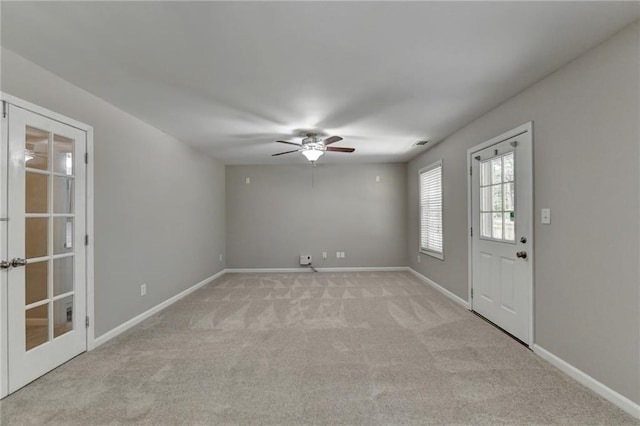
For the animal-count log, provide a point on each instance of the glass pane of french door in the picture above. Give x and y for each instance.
(49, 224)
(46, 284)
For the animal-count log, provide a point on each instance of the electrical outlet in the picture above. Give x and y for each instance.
(324, 254)
(337, 255)
(220, 257)
(143, 289)
(419, 259)
(343, 255)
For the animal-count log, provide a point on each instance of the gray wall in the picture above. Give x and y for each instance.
(159, 205)
(586, 138)
(283, 213)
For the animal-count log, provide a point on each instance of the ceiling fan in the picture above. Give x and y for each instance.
(312, 147)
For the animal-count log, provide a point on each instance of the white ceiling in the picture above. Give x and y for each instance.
(231, 78)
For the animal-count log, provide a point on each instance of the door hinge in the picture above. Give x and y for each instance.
(86, 240)
(86, 321)
(471, 232)
(86, 158)
(470, 170)
(472, 292)
(4, 109)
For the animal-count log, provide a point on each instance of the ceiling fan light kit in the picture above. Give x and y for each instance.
(312, 154)
(313, 148)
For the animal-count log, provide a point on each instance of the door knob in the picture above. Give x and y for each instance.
(18, 261)
(4, 264)
(521, 254)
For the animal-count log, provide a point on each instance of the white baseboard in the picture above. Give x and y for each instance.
(303, 269)
(583, 378)
(366, 269)
(143, 316)
(265, 270)
(441, 289)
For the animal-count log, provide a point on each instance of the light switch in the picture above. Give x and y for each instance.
(545, 216)
(377, 178)
(247, 181)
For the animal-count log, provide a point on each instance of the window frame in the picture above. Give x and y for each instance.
(502, 184)
(423, 170)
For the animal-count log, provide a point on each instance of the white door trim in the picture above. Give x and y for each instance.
(525, 128)
(4, 97)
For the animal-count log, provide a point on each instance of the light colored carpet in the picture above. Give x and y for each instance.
(326, 348)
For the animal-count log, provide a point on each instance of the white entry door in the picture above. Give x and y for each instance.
(502, 232)
(45, 251)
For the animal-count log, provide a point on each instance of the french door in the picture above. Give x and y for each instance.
(502, 231)
(44, 257)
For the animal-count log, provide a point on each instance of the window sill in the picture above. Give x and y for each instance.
(433, 254)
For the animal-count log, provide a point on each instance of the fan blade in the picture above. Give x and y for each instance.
(286, 152)
(290, 143)
(332, 139)
(338, 149)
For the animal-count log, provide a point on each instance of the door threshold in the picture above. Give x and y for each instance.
(502, 329)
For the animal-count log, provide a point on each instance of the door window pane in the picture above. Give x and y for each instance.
(508, 167)
(485, 199)
(63, 155)
(509, 226)
(37, 326)
(496, 197)
(62, 316)
(36, 193)
(485, 225)
(485, 173)
(62, 275)
(36, 149)
(62, 235)
(497, 225)
(36, 237)
(509, 197)
(36, 278)
(496, 170)
(62, 195)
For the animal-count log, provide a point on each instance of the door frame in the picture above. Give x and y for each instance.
(524, 129)
(89, 248)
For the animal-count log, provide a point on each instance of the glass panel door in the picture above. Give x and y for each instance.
(46, 283)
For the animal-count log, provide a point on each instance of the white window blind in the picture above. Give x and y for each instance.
(431, 210)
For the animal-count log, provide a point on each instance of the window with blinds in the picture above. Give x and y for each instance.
(430, 183)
